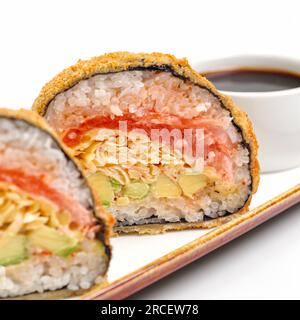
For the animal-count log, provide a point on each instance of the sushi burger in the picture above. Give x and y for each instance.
(53, 233)
(162, 147)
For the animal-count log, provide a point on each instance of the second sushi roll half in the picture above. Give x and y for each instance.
(53, 235)
(163, 148)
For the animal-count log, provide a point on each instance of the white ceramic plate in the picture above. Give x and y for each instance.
(139, 261)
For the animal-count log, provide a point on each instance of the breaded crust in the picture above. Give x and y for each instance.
(104, 218)
(124, 61)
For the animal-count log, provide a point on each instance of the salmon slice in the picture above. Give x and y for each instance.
(216, 139)
(35, 185)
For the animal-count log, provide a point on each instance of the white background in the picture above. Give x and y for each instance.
(39, 38)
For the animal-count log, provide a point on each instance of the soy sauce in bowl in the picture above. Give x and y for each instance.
(253, 80)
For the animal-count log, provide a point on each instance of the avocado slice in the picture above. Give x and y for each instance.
(136, 190)
(164, 187)
(116, 185)
(12, 249)
(192, 183)
(122, 201)
(53, 240)
(103, 187)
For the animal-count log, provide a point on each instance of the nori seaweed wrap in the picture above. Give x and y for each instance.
(190, 154)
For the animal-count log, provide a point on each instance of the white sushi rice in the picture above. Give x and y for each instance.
(134, 92)
(23, 145)
(137, 92)
(40, 274)
(152, 210)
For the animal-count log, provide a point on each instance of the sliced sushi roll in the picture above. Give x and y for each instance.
(53, 234)
(135, 122)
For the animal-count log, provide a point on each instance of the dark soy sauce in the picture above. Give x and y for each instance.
(253, 80)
